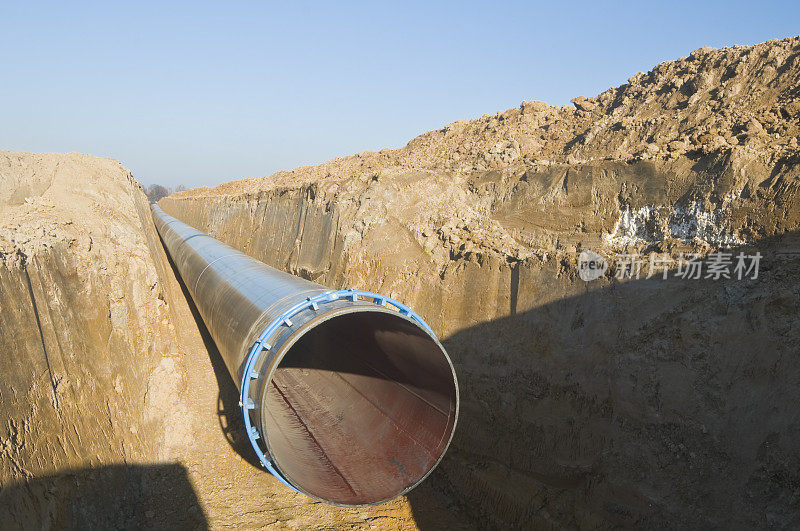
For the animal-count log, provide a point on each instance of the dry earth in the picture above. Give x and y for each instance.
(631, 402)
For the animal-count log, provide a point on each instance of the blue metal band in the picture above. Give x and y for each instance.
(260, 345)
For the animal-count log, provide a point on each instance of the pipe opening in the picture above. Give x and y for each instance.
(360, 408)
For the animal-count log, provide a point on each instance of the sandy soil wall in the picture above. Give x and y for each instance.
(88, 366)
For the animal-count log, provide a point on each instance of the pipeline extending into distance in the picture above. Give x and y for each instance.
(347, 396)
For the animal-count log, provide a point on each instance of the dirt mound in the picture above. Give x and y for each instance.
(710, 101)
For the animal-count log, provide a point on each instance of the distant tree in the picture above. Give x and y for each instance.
(181, 188)
(154, 192)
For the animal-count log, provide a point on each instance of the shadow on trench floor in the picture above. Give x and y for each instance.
(632, 404)
(158, 496)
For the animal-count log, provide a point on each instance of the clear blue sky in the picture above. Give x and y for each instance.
(200, 93)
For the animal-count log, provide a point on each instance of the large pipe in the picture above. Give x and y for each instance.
(347, 396)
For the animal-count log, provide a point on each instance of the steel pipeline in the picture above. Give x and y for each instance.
(346, 395)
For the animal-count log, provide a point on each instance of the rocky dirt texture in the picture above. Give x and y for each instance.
(116, 409)
(614, 402)
(88, 350)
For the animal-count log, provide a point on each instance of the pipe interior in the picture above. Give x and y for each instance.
(360, 408)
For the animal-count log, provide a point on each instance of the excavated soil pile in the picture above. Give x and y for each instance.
(619, 401)
(616, 401)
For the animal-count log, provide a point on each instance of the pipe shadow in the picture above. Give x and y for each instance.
(641, 403)
(228, 411)
(108, 497)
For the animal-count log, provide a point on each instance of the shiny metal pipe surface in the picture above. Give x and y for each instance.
(346, 395)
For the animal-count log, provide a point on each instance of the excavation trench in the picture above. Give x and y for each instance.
(346, 396)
